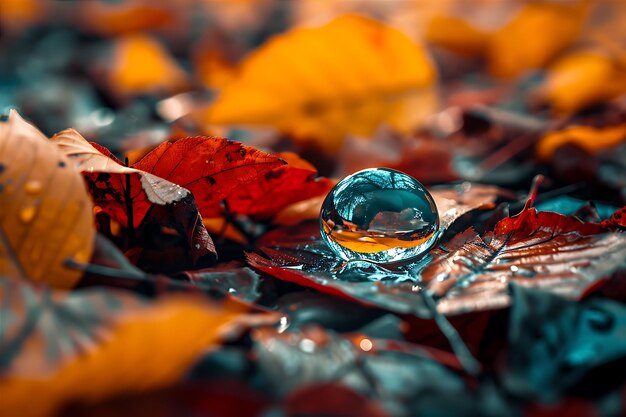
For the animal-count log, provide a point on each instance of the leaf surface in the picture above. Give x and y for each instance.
(104, 333)
(323, 95)
(45, 211)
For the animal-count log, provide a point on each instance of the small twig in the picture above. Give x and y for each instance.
(465, 357)
(129, 211)
(510, 119)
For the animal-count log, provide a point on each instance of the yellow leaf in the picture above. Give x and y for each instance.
(45, 211)
(104, 344)
(589, 138)
(141, 65)
(319, 84)
(581, 79)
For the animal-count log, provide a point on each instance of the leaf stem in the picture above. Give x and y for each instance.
(129, 211)
(460, 349)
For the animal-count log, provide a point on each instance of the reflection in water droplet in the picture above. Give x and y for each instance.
(366, 345)
(380, 215)
(33, 187)
(27, 214)
(307, 345)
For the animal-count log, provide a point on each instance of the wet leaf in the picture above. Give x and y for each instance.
(226, 280)
(45, 211)
(104, 333)
(322, 96)
(298, 255)
(547, 250)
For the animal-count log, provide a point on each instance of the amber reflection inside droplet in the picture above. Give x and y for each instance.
(379, 214)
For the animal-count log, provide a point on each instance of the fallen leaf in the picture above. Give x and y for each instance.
(547, 250)
(322, 96)
(45, 215)
(108, 178)
(211, 168)
(277, 189)
(141, 65)
(104, 333)
(582, 79)
(591, 139)
(168, 231)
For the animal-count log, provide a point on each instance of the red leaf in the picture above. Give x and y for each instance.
(548, 250)
(211, 168)
(278, 188)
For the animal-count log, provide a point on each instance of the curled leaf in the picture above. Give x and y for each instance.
(45, 211)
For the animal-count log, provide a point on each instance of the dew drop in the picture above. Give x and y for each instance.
(33, 187)
(380, 215)
(27, 214)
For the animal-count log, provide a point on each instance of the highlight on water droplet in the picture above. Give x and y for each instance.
(33, 187)
(27, 214)
(380, 215)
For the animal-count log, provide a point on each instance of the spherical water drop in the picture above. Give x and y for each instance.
(380, 215)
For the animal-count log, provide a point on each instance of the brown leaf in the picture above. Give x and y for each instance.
(548, 250)
(45, 211)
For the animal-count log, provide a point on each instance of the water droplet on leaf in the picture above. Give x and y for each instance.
(380, 215)
(27, 214)
(33, 187)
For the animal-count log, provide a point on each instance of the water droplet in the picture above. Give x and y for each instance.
(27, 214)
(380, 215)
(307, 345)
(366, 345)
(33, 187)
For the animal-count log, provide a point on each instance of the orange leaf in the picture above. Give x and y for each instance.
(105, 344)
(45, 211)
(141, 65)
(581, 79)
(589, 138)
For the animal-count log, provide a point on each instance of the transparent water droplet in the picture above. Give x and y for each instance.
(380, 215)
(27, 214)
(33, 187)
